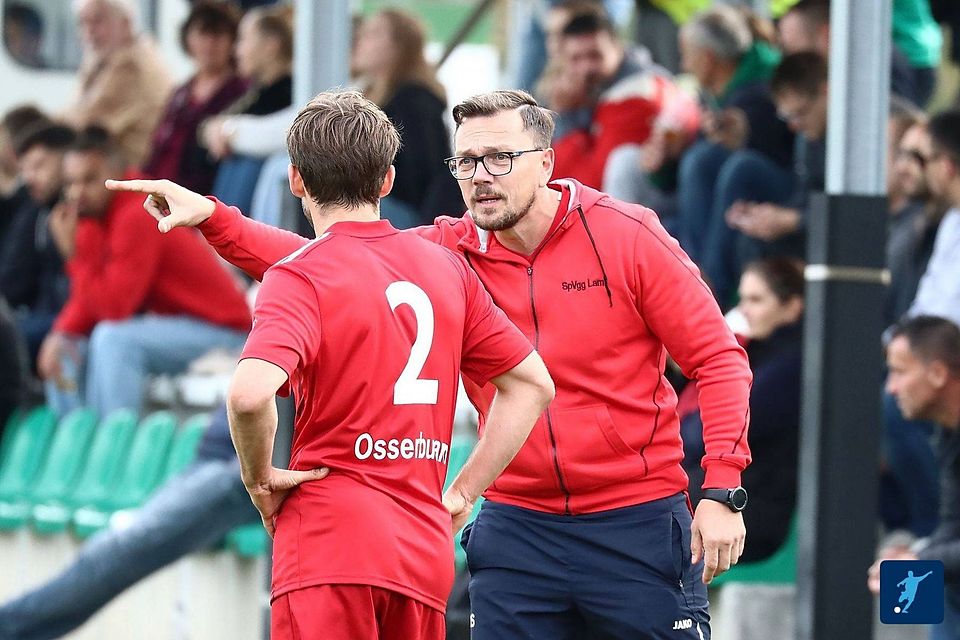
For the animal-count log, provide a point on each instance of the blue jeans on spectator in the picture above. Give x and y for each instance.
(236, 181)
(711, 179)
(34, 327)
(192, 512)
(912, 465)
(266, 203)
(120, 355)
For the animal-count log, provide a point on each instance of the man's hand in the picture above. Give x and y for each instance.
(214, 137)
(459, 507)
(172, 205)
(268, 495)
(48, 359)
(728, 128)
(897, 552)
(63, 228)
(763, 220)
(718, 535)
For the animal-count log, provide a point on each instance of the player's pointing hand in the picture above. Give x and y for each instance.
(172, 205)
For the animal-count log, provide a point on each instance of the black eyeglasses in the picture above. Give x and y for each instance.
(497, 163)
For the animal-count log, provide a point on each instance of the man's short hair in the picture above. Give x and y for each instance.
(804, 72)
(19, 120)
(46, 134)
(722, 30)
(96, 139)
(932, 339)
(535, 118)
(342, 144)
(213, 17)
(816, 12)
(944, 129)
(589, 23)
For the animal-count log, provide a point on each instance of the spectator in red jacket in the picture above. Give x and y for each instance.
(136, 306)
(607, 96)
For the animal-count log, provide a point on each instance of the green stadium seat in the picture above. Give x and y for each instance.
(104, 463)
(780, 568)
(27, 449)
(142, 470)
(248, 541)
(6, 441)
(64, 460)
(183, 451)
(460, 448)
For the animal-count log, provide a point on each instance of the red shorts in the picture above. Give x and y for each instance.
(353, 612)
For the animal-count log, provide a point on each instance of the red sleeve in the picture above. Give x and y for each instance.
(111, 274)
(254, 247)
(679, 308)
(492, 344)
(286, 322)
(74, 317)
(251, 246)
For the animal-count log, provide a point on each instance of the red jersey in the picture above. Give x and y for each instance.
(372, 327)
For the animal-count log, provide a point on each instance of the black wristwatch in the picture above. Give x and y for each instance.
(735, 498)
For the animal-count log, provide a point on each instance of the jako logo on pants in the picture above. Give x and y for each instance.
(419, 448)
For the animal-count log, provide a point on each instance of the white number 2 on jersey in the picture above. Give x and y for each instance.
(410, 389)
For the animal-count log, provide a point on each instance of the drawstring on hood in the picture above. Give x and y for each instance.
(596, 252)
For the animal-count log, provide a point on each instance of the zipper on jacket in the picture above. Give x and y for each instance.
(553, 440)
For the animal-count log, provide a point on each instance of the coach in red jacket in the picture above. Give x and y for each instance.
(137, 305)
(589, 528)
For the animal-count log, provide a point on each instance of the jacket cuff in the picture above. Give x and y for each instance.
(720, 475)
(214, 228)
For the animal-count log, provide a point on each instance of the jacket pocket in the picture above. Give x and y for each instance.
(591, 451)
(531, 472)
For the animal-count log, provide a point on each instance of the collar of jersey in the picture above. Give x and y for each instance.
(374, 229)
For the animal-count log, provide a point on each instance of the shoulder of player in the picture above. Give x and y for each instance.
(616, 219)
(306, 250)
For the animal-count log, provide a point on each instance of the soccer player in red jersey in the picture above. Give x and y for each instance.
(369, 328)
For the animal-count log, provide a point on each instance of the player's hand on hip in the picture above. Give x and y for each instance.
(172, 205)
(459, 507)
(718, 536)
(268, 495)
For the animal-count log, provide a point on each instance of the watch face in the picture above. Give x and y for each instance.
(738, 498)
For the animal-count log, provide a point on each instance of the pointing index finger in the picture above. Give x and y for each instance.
(141, 186)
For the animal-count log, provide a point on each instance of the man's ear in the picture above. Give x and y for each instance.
(939, 373)
(546, 169)
(296, 182)
(388, 180)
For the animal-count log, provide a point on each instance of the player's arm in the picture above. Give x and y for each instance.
(252, 411)
(523, 393)
(680, 310)
(247, 244)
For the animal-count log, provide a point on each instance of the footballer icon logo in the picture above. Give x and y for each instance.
(911, 592)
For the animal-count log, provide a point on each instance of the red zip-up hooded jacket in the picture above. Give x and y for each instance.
(604, 298)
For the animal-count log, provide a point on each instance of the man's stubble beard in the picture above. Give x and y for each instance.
(508, 219)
